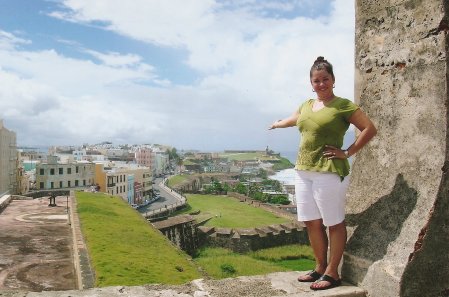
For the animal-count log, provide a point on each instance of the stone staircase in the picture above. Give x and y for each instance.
(280, 284)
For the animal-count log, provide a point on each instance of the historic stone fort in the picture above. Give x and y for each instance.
(398, 201)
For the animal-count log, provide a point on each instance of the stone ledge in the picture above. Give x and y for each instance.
(280, 284)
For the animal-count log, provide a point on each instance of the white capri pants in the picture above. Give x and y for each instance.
(320, 195)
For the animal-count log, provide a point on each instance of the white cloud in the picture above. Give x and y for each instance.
(114, 59)
(253, 68)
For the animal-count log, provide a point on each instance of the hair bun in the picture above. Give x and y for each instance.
(320, 59)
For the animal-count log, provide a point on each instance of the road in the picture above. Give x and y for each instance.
(167, 197)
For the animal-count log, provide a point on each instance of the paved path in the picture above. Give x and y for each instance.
(36, 246)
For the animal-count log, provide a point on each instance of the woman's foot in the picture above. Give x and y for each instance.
(325, 282)
(309, 277)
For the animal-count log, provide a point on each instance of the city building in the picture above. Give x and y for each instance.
(114, 178)
(144, 156)
(55, 175)
(161, 163)
(8, 161)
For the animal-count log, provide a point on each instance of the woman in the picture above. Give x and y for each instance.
(321, 168)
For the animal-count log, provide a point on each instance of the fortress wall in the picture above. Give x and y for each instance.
(253, 239)
(4, 201)
(397, 206)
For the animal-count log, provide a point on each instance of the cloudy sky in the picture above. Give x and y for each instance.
(194, 74)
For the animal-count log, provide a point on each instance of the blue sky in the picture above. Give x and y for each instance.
(194, 74)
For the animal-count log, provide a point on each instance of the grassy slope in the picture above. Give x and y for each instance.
(177, 179)
(229, 212)
(124, 249)
(285, 258)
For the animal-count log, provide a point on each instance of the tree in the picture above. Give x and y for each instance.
(240, 188)
(262, 173)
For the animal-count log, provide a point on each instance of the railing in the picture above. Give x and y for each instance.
(166, 209)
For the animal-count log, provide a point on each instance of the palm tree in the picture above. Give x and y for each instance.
(179, 162)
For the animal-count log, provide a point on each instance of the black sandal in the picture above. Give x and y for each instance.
(314, 276)
(326, 278)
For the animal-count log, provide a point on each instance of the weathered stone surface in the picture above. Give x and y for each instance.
(398, 197)
(283, 284)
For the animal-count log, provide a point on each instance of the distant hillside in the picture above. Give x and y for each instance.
(278, 161)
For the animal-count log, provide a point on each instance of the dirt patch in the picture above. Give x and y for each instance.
(36, 247)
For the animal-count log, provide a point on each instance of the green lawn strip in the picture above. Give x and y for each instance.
(242, 156)
(286, 252)
(221, 263)
(125, 249)
(282, 164)
(229, 212)
(293, 257)
(177, 179)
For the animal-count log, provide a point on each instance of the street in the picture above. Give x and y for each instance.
(167, 197)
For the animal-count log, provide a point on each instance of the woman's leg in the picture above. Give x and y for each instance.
(337, 239)
(330, 195)
(309, 213)
(319, 242)
(337, 236)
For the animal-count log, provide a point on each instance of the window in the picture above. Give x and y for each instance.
(76, 181)
(69, 170)
(60, 184)
(41, 171)
(76, 169)
(61, 171)
(52, 185)
(84, 182)
(52, 171)
(41, 184)
(68, 184)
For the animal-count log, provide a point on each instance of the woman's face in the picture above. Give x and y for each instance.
(322, 83)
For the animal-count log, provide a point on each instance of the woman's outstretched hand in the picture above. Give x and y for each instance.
(273, 126)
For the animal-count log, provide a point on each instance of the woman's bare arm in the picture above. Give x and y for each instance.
(285, 123)
(367, 131)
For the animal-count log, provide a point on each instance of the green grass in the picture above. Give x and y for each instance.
(229, 212)
(125, 249)
(282, 164)
(243, 156)
(221, 263)
(292, 257)
(177, 179)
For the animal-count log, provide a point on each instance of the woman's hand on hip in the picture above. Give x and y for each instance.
(332, 152)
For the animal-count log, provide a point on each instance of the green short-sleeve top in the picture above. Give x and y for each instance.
(326, 126)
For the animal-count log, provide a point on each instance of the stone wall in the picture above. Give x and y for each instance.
(266, 206)
(252, 239)
(187, 234)
(40, 194)
(4, 201)
(398, 209)
(181, 231)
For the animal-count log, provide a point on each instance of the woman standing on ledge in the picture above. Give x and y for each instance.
(321, 168)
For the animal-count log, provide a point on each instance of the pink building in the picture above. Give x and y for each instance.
(143, 157)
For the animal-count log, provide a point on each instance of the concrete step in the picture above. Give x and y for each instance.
(281, 284)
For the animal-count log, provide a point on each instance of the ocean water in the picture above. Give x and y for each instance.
(286, 176)
(290, 155)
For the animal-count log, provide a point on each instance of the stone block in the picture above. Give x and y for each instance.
(397, 203)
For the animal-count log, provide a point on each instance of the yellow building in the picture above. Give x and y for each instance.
(122, 179)
(54, 175)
